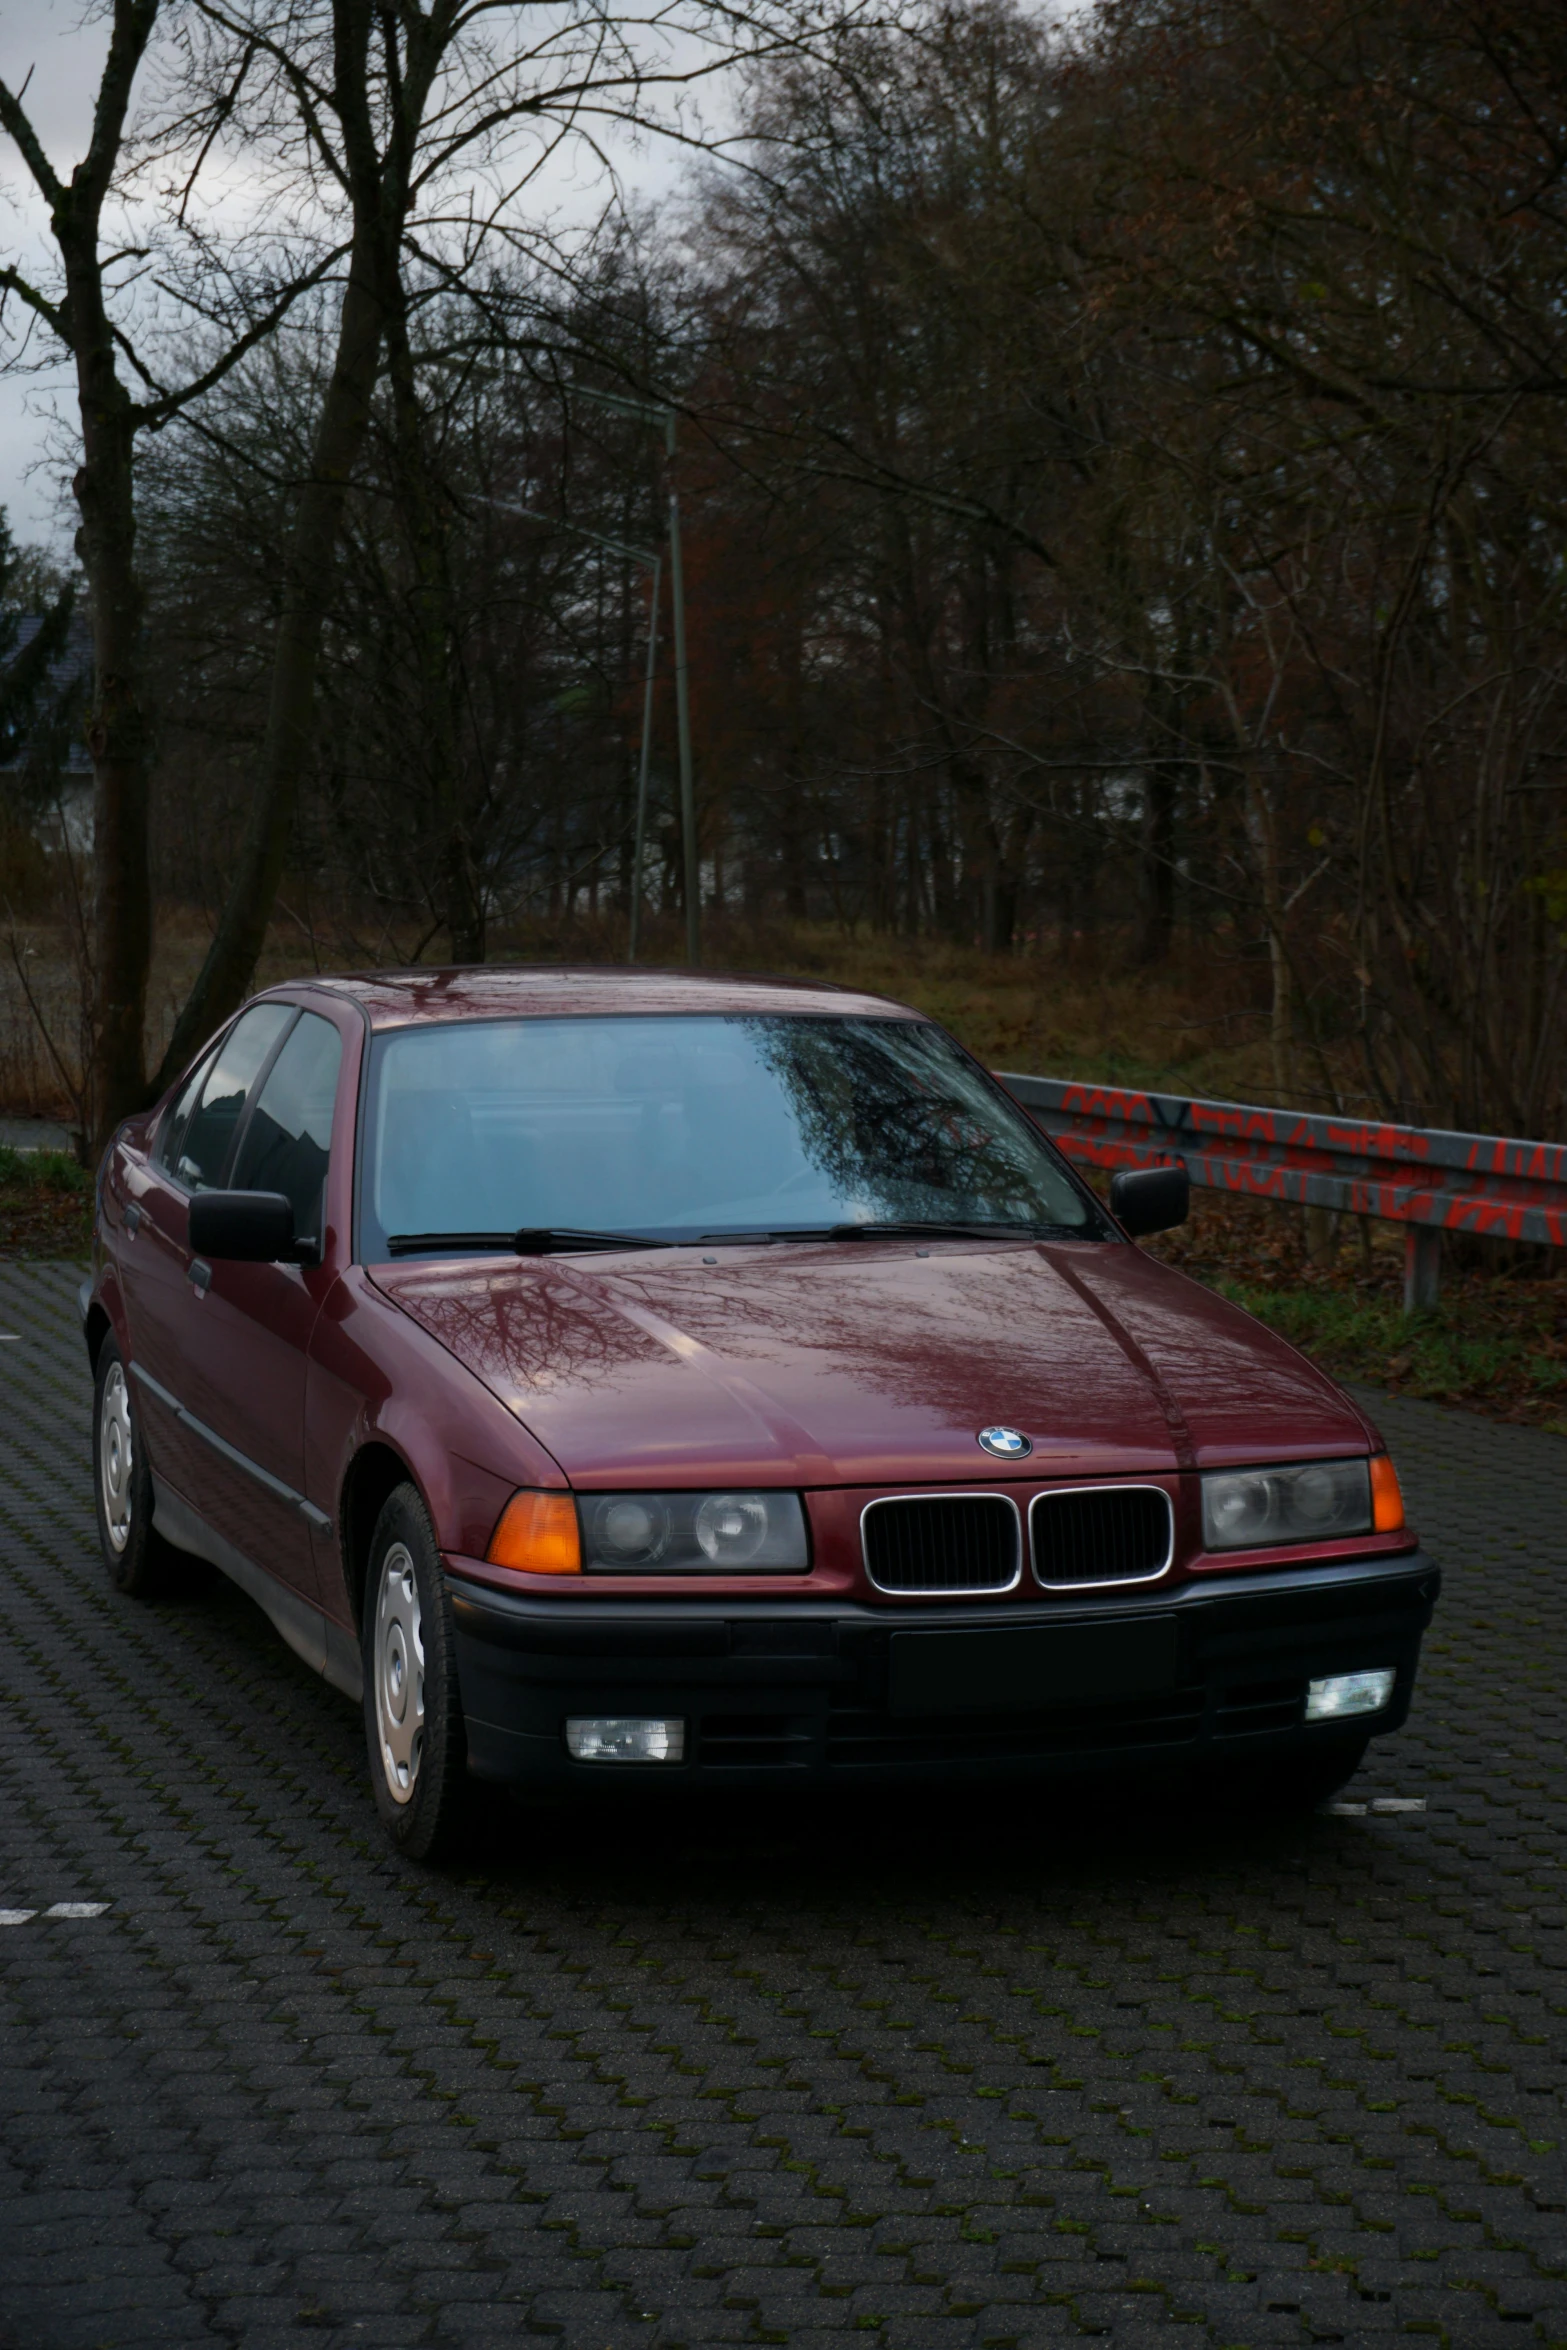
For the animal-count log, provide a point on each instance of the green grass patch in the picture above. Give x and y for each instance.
(54, 1171)
(1463, 1350)
(46, 1204)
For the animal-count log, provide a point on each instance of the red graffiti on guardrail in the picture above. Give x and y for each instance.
(1490, 1184)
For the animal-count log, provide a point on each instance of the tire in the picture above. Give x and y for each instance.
(139, 1561)
(414, 1730)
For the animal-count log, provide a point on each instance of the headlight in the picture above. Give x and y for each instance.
(692, 1533)
(1243, 1509)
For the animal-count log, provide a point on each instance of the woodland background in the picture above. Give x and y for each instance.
(1124, 485)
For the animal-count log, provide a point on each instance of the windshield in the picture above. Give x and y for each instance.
(693, 1127)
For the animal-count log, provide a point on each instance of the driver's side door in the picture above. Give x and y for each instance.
(249, 1339)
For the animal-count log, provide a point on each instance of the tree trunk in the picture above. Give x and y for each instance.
(1319, 1225)
(231, 959)
(119, 727)
(1158, 862)
(430, 610)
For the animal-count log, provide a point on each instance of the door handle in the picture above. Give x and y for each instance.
(201, 1274)
(132, 1218)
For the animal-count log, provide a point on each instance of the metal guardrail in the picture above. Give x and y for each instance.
(1428, 1181)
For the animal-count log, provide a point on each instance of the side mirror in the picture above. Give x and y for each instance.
(249, 1227)
(1150, 1199)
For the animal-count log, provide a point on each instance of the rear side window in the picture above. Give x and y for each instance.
(289, 1134)
(195, 1143)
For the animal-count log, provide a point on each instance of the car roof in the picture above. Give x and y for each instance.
(395, 999)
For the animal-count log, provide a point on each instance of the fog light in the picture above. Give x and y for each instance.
(1349, 1693)
(621, 1741)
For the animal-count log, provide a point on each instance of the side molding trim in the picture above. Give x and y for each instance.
(326, 1647)
(313, 1517)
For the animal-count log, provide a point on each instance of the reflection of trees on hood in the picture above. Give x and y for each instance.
(885, 1109)
(529, 1330)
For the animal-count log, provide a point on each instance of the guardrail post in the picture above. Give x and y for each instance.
(1422, 1266)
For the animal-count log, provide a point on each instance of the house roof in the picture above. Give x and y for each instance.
(72, 665)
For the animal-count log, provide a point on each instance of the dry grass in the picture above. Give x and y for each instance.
(31, 1084)
(1085, 1014)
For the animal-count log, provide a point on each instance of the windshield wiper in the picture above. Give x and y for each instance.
(900, 1229)
(916, 1228)
(562, 1240)
(546, 1240)
(531, 1241)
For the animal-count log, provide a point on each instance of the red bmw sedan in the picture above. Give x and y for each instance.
(640, 1378)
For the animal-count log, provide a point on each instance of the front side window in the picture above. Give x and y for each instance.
(695, 1127)
(172, 1139)
(196, 1141)
(288, 1137)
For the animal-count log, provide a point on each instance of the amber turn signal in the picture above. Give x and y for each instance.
(538, 1533)
(1387, 1502)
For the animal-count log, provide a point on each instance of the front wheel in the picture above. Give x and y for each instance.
(413, 1708)
(139, 1561)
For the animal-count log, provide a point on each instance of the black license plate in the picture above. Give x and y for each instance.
(1028, 1668)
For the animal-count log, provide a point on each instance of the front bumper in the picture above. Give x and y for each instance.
(833, 1693)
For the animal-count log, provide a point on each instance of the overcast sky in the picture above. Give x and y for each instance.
(63, 54)
(61, 45)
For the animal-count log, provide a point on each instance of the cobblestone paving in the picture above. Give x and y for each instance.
(762, 2076)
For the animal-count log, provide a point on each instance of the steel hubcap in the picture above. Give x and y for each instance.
(399, 1672)
(115, 1457)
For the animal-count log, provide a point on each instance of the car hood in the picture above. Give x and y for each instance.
(867, 1363)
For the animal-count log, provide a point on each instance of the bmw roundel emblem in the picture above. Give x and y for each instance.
(1007, 1444)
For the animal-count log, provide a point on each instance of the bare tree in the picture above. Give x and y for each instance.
(426, 130)
(88, 306)
(404, 144)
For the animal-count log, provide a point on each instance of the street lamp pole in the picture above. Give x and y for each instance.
(660, 413)
(693, 869)
(634, 943)
(656, 562)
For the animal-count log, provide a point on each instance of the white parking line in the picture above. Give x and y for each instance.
(56, 1909)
